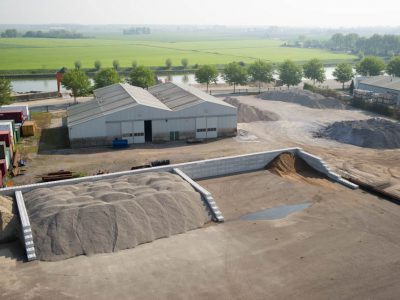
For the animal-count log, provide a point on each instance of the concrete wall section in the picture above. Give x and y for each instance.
(319, 165)
(203, 169)
(26, 227)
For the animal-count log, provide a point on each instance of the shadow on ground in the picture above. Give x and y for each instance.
(53, 139)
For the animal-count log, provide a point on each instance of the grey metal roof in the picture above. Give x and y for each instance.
(110, 99)
(120, 96)
(180, 96)
(387, 82)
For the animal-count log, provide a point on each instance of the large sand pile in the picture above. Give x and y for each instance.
(372, 133)
(290, 166)
(9, 224)
(304, 98)
(107, 216)
(248, 113)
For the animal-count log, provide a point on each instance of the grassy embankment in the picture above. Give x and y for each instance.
(30, 56)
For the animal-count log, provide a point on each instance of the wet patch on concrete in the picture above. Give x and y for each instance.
(275, 213)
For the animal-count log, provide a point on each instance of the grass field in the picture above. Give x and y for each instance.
(28, 54)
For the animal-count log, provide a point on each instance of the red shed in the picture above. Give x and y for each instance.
(5, 136)
(17, 116)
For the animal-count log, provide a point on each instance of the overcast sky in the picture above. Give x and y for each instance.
(320, 13)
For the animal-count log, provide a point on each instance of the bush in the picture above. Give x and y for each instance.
(323, 92)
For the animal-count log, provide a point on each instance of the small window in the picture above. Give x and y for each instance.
(201, 130)
(139, 134)
(212, 129)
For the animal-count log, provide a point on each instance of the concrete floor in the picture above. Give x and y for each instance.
(344, 246)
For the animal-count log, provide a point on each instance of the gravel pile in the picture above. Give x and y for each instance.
(111, 215)
(304, 98)
(248, 113)
(372, 133)
(9, 224)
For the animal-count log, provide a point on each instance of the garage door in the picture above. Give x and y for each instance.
(212, 124)
(127, 131)
(201, 128)
(138, 132)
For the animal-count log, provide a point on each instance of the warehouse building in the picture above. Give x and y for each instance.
(387, 85)
(165, 112)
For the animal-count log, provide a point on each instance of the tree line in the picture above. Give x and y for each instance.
(234, 73)
(54, 34)
(387, 45)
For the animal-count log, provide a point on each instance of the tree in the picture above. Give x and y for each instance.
(106, 77)
(76, 81)
(184, 62)
(343, 73)
(234, 74)
(78, 64)
(206, 74)
(97, 65)
(9, 33)
(168, 63)
(142, 76)
(5, 91)
(370, 66)
(115, 64)
(314, 70)
(393, 67)
(261, 71)
(290, 73)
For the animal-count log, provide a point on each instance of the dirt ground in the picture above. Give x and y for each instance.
(344, 246)
(295, 127)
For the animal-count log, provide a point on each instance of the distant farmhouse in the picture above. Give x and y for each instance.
(386, 88)
(165, 112)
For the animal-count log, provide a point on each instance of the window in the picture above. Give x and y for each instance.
(201, 130)
(138, 134)
(212, 129)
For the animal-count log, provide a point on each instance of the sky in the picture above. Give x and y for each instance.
(305, 13)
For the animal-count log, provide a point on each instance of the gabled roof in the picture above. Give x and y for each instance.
(180, 96)
(121, 96)
(110, 99)
(387, 82)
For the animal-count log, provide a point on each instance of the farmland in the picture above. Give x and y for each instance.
(35, 53)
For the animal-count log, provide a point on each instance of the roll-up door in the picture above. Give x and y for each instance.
(138, 132)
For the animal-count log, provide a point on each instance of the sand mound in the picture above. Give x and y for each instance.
(304, 98)
(293, 167)
(373, 133)
(248, 113)
(107, 216)
(9, 225)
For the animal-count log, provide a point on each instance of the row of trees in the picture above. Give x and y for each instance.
(79, 84)
(380, 45)
(373, 66)
(260, 72)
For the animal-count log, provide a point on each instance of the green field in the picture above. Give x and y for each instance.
(29, 54)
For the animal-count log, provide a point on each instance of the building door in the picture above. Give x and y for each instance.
(148, 131)
(138, 132)
(201, 128)
(127, 131)
(212, 124)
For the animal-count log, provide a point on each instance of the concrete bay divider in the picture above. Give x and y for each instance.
(26, 227)
(206, 195)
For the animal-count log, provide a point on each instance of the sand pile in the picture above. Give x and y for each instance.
(372, 133)
(9, 224)
(107, 216)
(248, 113)
(293, 167)
(304, 98)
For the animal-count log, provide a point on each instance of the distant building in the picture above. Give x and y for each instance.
(386, 86)
(165, 112)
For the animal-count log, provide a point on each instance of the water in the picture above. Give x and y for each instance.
(50, 85)
(275, 213)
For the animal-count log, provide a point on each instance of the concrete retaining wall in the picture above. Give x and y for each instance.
(202, 169)
(206, 195)
(26, 227)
